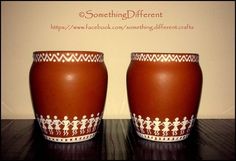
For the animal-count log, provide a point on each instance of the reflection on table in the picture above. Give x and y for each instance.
(117, 139)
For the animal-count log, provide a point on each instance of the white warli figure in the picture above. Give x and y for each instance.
(83, 123)
(183, 123)
(66, 124)
(157, 124)
(191, 122)
(74, 124)
(166, 125)
(91, 121)
(57, 124)
(135, 121)
(49, 122)
(99, 119)
(42, 121)
(140, 120)
(96, 122)
(148, 125)
(176, 123)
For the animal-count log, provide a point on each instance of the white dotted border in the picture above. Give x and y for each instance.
(70, 139)
(164, 57)
(67, 57)
(163, 138)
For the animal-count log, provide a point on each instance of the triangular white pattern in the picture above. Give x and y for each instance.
(165, 57)
(67, 57)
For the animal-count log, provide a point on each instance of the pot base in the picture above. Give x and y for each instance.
(162, 138)
(73, 139)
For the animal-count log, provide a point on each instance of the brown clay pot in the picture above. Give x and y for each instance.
(68, 90)
(164, 92)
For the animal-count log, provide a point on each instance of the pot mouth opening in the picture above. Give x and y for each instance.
(165, 57)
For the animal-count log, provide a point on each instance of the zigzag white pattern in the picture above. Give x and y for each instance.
(67, 57)
(165, 57)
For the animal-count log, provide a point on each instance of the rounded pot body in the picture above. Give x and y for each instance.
(164, 92)
(68, 90)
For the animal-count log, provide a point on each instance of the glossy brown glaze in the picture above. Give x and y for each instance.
(164, 93)
(68, 90)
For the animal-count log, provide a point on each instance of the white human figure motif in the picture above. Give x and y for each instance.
(66, 124)
(157, 124)
(90, 121)
(191, 122)
(140, 120)
(57, 124)
(74, 124)
(49, 122)
(183, 127)
(148, 124)
(42, 121)
(96, 122)
(166, 124)
(135, 121)
(176, 123)
(83, 123)
(99, 119)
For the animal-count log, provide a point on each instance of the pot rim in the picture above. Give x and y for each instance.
(67, 56)
(164, 57)
(67, 51)
(165, 53)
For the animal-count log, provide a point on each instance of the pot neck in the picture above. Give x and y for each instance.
(68, 56)
(165, 57)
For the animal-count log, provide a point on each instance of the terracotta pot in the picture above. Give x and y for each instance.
(68, 90)
(164, 92)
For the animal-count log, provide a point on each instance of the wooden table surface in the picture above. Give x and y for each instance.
(116, 139)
